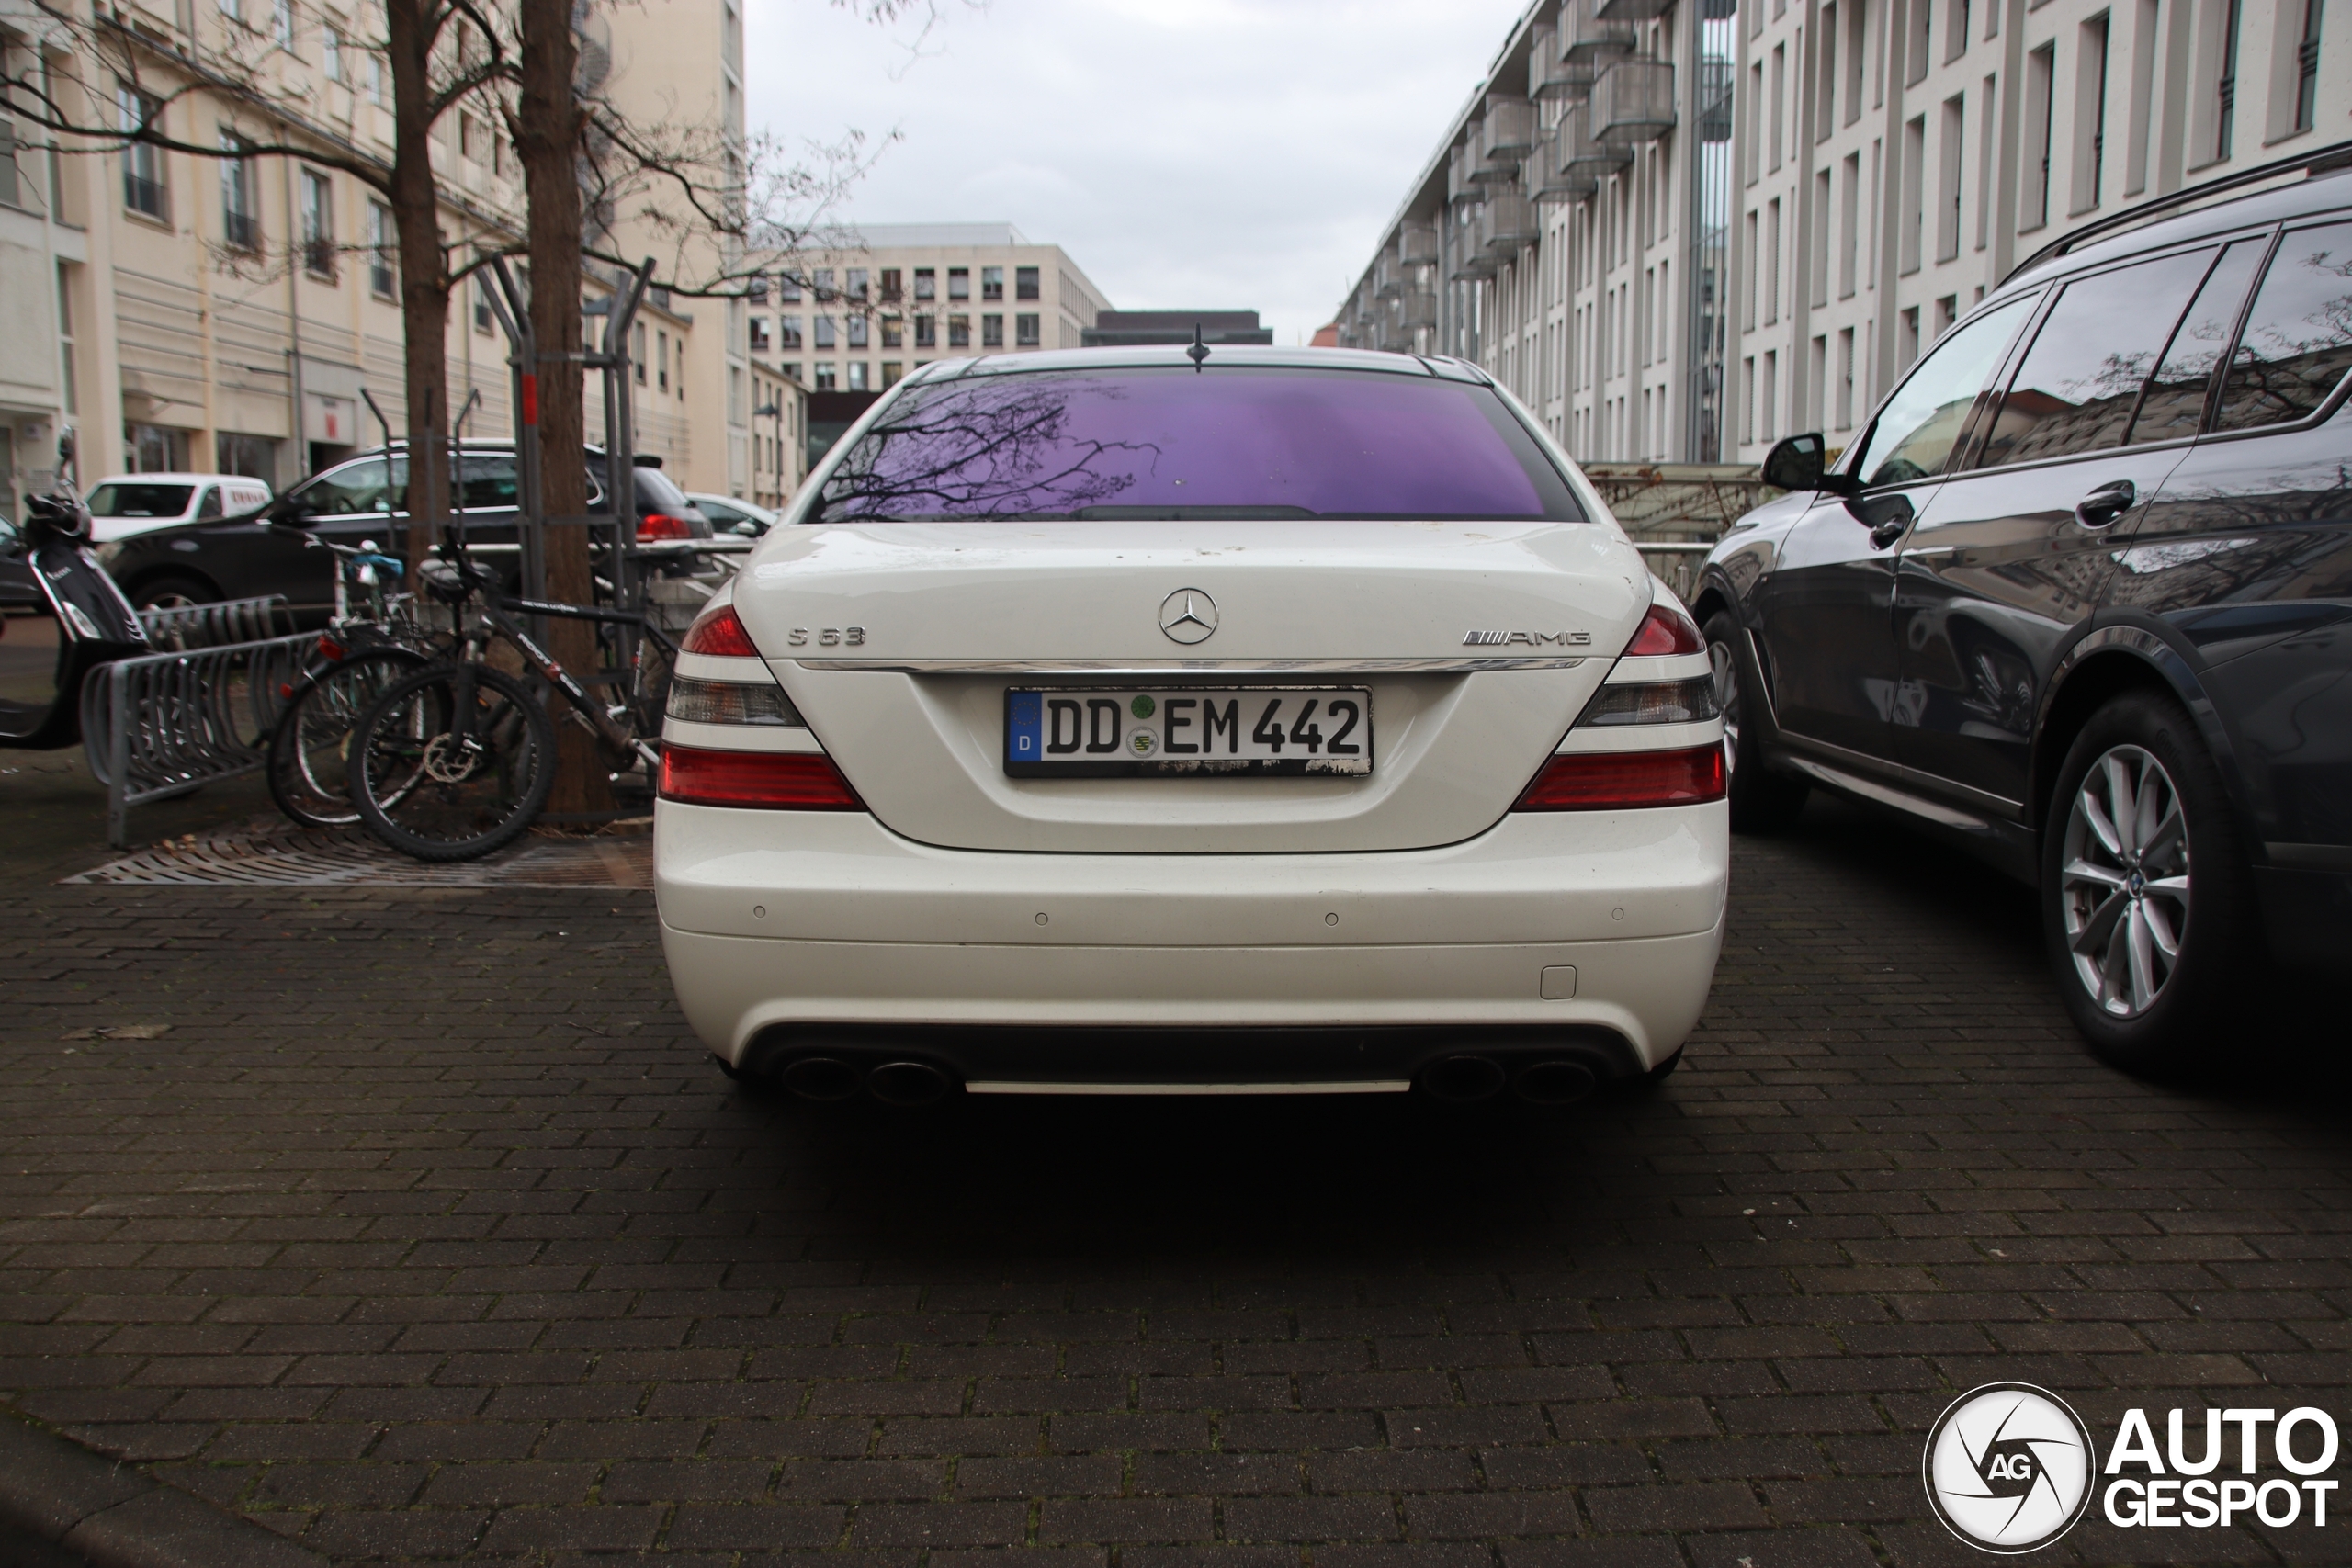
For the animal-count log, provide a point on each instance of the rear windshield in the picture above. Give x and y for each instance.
(1231, 442)
(139, 501)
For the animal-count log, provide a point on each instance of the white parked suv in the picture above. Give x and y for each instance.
(1099, 722)
(125, 505)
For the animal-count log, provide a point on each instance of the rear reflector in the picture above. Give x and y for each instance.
(1666, 629)
(732, 702)
(776, 780)
(1653, 701)
(719, 632)
(1616, 781)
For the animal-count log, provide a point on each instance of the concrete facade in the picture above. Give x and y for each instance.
(859, 314)
(1835, 183)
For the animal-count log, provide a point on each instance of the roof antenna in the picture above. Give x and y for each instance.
(1198, 354)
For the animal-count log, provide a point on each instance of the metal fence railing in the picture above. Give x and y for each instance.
(164, 724)
(1675, 561)
(182, 627)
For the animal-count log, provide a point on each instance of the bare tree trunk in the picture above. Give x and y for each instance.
(424, 273)
(546, 127)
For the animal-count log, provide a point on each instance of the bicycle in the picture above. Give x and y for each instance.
(457, 760)
(367, 647)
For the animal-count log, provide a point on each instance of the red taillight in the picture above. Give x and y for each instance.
(661, 525)
(778, 781)
(1616, 781)
(719, 632)
(1666, 629)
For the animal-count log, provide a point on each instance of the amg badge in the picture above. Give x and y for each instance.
(1526, 640)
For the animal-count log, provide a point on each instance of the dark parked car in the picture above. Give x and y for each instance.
(363, 498)
(2080, 594)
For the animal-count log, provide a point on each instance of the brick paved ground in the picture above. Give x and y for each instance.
(426, 1230)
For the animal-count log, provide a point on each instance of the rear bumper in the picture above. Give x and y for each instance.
(1594, 929)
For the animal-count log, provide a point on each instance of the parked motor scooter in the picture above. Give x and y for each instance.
(94, 623)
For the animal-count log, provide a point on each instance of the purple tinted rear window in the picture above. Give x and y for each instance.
(1234, 442)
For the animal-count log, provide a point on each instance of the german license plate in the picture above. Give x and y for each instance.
(1081, 732)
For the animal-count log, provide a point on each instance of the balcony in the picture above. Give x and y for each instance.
(1549, 177)
(1549, 73)
(1472, 261)
(145, 196)
(1460, 188)
(1417, 245)
(1507, 132)
(1418, 310)
(241, 230)
(1508, 224)
(1589, 40)
(1634, 10)
(1632, 102)
(1584, 156)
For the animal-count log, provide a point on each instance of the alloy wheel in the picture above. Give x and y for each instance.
(1726, 668)
(2123, 888)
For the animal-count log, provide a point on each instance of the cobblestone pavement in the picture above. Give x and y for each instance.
(426, 1230)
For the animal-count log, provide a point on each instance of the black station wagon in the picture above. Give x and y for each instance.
(2080, 595)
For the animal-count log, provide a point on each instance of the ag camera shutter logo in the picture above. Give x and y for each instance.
(2009, 1467)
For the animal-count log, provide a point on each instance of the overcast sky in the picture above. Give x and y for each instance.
(1186, 153)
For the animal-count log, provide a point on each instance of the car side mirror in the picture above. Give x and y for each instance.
(1888, 517)
(1801, 462)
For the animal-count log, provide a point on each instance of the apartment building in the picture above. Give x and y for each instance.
(1897, 158)
(858, 315)
(1567, 233)
(219, 314)
(1678, 231)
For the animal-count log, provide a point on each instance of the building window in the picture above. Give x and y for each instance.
(821, 285)
(2226, 89)
(255, 457)
(760, 343)
(857, 375)
(239, 197)
(637, 351)
(992, 332)
(926, 284)
(959, 331)
(828, 333)
(892, 371)
(827, 378)
(756, 290)
(383, 246)
(2307, 68)
(959, 281)
(482, 318)
(471, 139)
(1024, 331)
(318, 225)
(143, 163)
(376, 80)
(860, 329)
(890, 283)
(155, 449)
(857, 283)
(787, 289)
(894, 333)
(791, 369)
(2034, 203)
(661, 362)
(65, 354)
(788, 329)
(992, 283)
(281, 23)
(926, 332)
(330, 51)
(1024, 278)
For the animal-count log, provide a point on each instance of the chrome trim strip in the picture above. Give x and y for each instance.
(1902, 800)
(1186, 666)
(1021, 1086)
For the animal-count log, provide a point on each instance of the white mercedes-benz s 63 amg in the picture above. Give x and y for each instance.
(1108, 722)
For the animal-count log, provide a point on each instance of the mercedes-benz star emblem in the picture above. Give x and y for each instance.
(1188, 615)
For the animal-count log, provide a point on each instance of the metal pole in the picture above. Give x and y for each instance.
(522, 363)
(620, 458)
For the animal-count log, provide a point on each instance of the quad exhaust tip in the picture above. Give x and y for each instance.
(909, 1083)
(821, 1078)
(1555, 1082)
(1466, 1080)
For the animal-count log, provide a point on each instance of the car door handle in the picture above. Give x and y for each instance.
(2105, 504)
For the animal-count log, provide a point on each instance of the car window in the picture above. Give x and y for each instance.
(1244, 442)
(1914, 433)
(362, 485)
(2298, 338)
(656, 491)
(129, 500)
(490, 481)
(210, 506)
(2175, 406)
(2077, 387)
(718, 512)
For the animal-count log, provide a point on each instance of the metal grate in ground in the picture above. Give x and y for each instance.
(275, 852)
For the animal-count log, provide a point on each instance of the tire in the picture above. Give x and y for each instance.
(172, 590)
(1761, 801)
(311, 743)
(418, 793)
(2150, 922)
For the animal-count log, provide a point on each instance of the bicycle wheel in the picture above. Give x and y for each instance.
(310, 749)
(428, 794)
